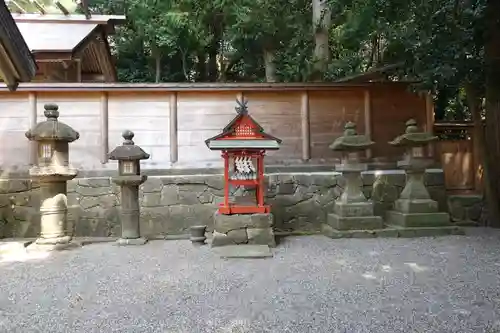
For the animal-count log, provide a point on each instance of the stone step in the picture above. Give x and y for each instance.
(243, 251)
(392, 231)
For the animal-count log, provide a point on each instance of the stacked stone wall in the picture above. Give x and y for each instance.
(170, 204)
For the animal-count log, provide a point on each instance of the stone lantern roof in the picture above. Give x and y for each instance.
(52, 129)
(413, 137)
(351, 140)
(128, 151)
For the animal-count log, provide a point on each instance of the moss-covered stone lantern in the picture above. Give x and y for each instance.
(52, 173)
(415, 208)
(352, 210)
(129, 179)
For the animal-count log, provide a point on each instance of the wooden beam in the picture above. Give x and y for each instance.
(429, 120)
(21, 9)
(174, 144)
(40, 8)
(52, 56)
(33, 148)
(205, 87)
(62, 8)
(368, 118)
(78, 63)
(305, 128)
(103, 116)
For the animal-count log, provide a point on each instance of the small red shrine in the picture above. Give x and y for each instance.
(243, 143)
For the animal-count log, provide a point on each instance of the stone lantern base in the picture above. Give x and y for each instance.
(417, 213)
(131, 241)
(243, 229)
(354, 216)
(48, 245)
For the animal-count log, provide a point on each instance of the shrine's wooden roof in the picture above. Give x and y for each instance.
(16, 61)
(243, 132)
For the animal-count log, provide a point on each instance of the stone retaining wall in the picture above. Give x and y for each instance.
(172, 203)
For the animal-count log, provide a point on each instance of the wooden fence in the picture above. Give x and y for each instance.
(171, 121)
(456, 151)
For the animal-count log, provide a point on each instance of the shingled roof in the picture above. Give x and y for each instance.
(16, 61)
(55, 37)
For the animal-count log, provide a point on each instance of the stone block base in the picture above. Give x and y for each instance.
(392, 232)
(355, 223)
(354, 209)
(131, 241)
(415, 206)
(413, 220)
(252, 229)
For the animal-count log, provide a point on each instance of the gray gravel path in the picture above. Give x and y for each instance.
(313, 284)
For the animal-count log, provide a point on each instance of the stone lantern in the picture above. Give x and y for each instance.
(51, 173)
(352, 210)
(415, 208)
(129, 179)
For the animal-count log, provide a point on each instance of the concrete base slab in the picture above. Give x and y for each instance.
(244, 251)
(392, 231)
(413, 220)
(355, 223)
(46, 247)
(131, 241)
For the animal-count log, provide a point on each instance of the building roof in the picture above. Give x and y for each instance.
(50, 37)
(71, 18)
(16, 61)
(57, 37)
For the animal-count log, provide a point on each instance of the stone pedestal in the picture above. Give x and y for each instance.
(130, 210)
(54, 234)
(352, 210)
(415, 208)
(251, 229)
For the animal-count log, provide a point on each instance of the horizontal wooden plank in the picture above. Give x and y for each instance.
(16, 152)
(147, 105)
(151, 87)
(16, 124)
(71, 108)
(139, 123)
(141, 138)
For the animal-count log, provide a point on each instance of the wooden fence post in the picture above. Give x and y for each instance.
(305, 128)
(103, 116)
(174, 144)
(32, 100)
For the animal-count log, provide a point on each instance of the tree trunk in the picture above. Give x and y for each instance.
(201, 67)
(478, 138)
(321, 25)
(492, 112)
(270, 65)
(157, 57)
(213, 49)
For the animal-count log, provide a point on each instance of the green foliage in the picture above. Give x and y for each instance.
(440, 42)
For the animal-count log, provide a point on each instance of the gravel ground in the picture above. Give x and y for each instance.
(313, 284)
